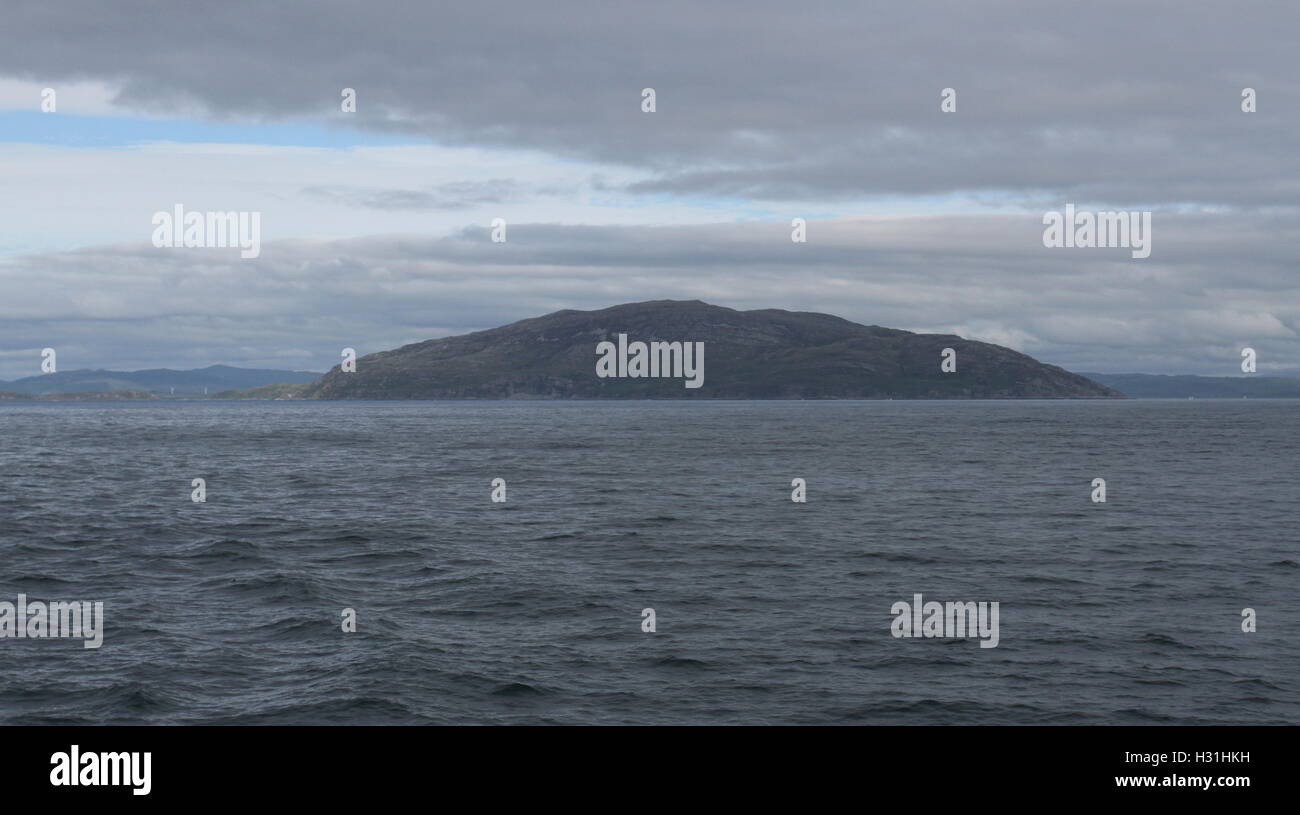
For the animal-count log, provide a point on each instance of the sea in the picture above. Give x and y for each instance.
(349, 564)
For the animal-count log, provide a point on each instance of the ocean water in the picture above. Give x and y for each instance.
(767, 611)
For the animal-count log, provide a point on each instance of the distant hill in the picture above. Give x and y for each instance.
(762, 354)
(161, 380)
(277, 391)
(1156, 386)
(94, 396)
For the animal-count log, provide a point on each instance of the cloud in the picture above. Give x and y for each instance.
(61, 197)
(982, 276)
(1111, 101)
(451, 196)
(86, 98)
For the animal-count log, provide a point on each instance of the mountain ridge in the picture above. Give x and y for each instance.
(757, 354)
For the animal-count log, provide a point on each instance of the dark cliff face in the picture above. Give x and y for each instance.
(764, 354)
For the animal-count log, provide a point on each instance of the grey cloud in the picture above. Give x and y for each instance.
(450, 196)
(1214, 284)
(1119, 102)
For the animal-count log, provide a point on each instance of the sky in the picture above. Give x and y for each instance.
(376, 224)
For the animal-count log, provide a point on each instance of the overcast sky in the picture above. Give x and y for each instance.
(375, 224)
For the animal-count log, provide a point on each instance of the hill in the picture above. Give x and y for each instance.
(1157, 386)
(159, 380)
(761, 354)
